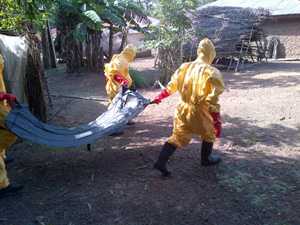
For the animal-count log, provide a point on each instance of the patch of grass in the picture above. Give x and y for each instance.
(258, 188)
(259, 200)
(279, 187)
(237, 181)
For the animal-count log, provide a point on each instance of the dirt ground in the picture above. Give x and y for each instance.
(258, 182)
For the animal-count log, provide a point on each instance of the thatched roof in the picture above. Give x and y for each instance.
(275, 7)
(227, 27)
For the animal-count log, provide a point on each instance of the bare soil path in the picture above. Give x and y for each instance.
(258, 182)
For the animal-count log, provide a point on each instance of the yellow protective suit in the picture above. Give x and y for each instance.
(119, 64)
(6, 137)
(199, 85)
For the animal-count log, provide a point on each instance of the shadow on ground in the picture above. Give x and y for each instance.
(115, 183)
(248, 79)
(245, 133)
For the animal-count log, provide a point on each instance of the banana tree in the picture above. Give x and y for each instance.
(78, 23)
(120, 16)
(132, 15)
(83, 20)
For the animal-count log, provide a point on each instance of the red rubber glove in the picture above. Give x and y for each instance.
(8, 97)
(11, 99)
(121, 80)
(163, 94)
(217, 123)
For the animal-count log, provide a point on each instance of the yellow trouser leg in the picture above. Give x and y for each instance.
(6, 140)
(4, 182)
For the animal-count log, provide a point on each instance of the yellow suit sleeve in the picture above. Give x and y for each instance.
(2, 85)
(117, 66)
(216, 84)
(112, 67)
(177, 78)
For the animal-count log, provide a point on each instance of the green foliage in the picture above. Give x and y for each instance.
(80, 16)
(147, 5)
(166, 36)
(175, 25)
(92, 19)
(76, 18)
(174, 31)
(10, 15)
(173, 12)
(124, 13)
(169, 36)
(34, 10)
(113, 16)
(80, 32)
(138, 79)
(92, 13)
(15, 14)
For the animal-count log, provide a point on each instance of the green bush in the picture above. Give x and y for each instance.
(138, 79)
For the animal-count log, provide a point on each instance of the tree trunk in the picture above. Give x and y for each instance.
(110, 44)
(124, 39)
(98, 52)
(94, 52)
(88, 52)
(72, 55)
(36, 87)
(51, 47)
(80, 53)
(58, 47)
(45, 49)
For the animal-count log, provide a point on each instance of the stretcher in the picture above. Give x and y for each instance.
(124, 107)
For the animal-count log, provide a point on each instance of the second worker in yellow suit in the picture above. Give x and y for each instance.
(199, 85)
(117, 71)
(6, 138)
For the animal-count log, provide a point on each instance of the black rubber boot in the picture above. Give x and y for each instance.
(165, 153)
(10, 190)
(207, 158)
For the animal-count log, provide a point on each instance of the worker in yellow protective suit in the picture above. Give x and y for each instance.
(6, 138)
(117, 71)
(199, 85)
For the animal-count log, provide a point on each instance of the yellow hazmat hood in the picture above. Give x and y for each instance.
(129, 53)
(206, 51)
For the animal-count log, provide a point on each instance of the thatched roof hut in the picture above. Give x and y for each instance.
(230, 22)
(234, 30)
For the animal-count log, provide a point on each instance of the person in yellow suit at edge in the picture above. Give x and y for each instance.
(7, 101)
(117, 74)
(117, 71)
(198, 113)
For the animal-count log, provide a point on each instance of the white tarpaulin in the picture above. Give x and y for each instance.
(14, 52)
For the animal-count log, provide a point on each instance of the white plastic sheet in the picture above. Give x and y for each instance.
(14, 52)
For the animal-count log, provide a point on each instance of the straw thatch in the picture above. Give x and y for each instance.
(234, 31)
